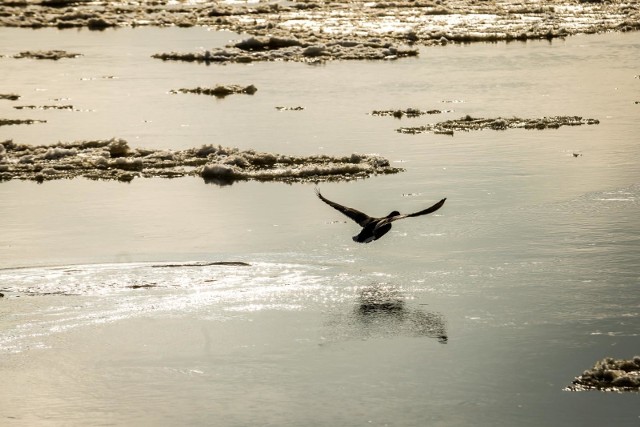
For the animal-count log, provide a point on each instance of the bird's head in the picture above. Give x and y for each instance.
(392, 214)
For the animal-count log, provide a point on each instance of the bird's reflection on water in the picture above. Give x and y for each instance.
(381, 310)
(380, 299)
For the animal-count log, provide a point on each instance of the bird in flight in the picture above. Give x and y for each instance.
(375, 228)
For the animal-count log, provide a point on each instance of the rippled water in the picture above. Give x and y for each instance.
(116, 313)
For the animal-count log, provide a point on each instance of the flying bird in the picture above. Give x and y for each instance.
(375, 228)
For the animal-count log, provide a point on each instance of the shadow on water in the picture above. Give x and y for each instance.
(381, 310)
(220, 181)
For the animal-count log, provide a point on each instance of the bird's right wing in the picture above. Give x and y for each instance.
(361, 218)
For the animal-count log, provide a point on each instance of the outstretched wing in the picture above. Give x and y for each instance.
(423, 212)
(361, 218)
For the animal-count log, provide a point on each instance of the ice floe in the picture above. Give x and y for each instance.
(43, 107)
(283, 108)
(407, 112)
(280, 49)
(469, 123)
(219, 91)
(114, 159)
(46, 54)
(9, 96)
(610, 374)
(10, 122)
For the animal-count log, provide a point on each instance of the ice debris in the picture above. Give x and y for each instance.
(610, 374)
(9, 122)
(283, 108)
(46, 54)
(203, 264)
(290, 49)
(469, 123)
(219, 91)
(43, 107)
(113, 159)
(408, 112)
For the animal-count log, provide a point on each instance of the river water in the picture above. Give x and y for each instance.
(116, 313)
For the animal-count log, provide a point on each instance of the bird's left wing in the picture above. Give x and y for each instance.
(361, 218)
(422, 212)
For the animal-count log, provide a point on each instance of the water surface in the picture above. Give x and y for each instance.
(482, 313)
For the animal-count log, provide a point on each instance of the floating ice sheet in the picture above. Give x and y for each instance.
(114, 159)
(468, 123)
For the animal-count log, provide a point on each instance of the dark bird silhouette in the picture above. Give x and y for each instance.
(375, 228)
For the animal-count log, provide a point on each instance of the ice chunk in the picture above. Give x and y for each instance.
(610, 374)
(118, 147)
(58, 153)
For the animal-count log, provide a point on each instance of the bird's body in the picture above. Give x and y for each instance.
(375, 228)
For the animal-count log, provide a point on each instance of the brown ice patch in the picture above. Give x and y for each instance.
(610, 374)
(113, 159)
(468, 123)
(9, 96)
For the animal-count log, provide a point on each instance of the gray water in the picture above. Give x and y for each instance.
(483, 312)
